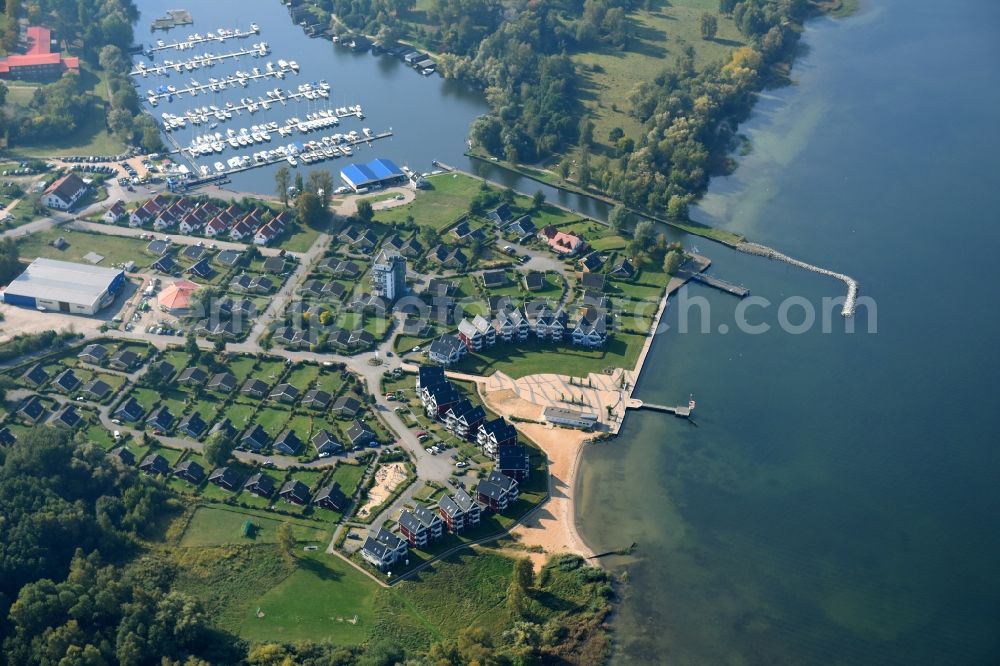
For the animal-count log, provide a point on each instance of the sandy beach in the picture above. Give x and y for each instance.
(552, 526)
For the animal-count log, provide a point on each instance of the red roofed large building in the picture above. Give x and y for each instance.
(39, 60)
(65, 192)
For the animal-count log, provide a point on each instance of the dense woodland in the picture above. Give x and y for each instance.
(100, 32)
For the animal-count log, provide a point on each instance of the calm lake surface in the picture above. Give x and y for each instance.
(837, 501)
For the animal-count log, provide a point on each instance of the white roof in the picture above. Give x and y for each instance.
(65, 281)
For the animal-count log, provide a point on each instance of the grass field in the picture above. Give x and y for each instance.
(216, 526)
(314, 603)
(348, 476)
(114, 249)
(438, 207)
(533, 357)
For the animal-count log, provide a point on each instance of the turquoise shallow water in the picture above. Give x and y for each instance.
(837, 501)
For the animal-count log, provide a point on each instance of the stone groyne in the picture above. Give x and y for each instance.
(763, 251)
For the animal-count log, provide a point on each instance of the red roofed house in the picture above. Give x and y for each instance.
(562, 242)
(65, 192)
(39, 60)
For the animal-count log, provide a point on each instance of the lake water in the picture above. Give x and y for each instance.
(837, 502)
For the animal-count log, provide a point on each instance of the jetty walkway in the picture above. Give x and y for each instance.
(220, 35)
(197, 62)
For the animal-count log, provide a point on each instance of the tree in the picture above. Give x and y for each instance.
(309, 210)
(671, 262)
(643, 233)
(583, 171)
(727, 6)
(191, 346)
(538, 200)
(365, 211)
(564, 167)
(428, 236)
(618, 218)
(286, 542)
(282, 181)
(10, 265)
(320, 183)
(219, 449)
(677, 207)
(709, 26)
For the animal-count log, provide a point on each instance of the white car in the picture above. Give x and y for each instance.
(461, 463)
(416, 350)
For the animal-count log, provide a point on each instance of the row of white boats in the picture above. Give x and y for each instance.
(220, 35)
(207, 59)
(326, 148)
(239, 78)
(209, 143)
(206, 114)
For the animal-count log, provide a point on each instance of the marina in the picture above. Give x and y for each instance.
(214, 114)
(209, 143)
(220, 35)
(240, 78)
(197, 62)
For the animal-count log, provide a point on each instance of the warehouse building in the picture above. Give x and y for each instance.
(377, 173)
(62, 286)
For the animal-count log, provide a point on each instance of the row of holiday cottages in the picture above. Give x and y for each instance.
(455, 513)
(461, 511)
(509, 325)
(203, 218)
(330, 497)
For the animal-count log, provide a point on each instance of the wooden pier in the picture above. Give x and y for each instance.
(182, 45)
(197, 62)
(682, 411)
(199, 118)
(720, 284)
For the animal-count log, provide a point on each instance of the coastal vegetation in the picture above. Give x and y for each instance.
(580, 88)
(101, 564)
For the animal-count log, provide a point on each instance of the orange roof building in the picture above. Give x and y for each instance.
(177, 296)
(39, 59)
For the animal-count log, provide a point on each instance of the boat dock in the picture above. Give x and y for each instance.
(174, 18)
(208, 114)
(720, 284)
(219, 35)
(682, 411)
(198, 61)
(310, 153)
(240, 78)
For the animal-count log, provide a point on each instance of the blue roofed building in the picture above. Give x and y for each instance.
(377, 173)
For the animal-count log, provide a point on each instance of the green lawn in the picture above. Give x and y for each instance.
(239, 413)
(301, 239)
(241, 367)
(437, 207)
(348, 476)
(330, 381)
(271, 420)
(535, 357)
(114, 249)
(216, 526)
(302, 376)
(324, 599)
